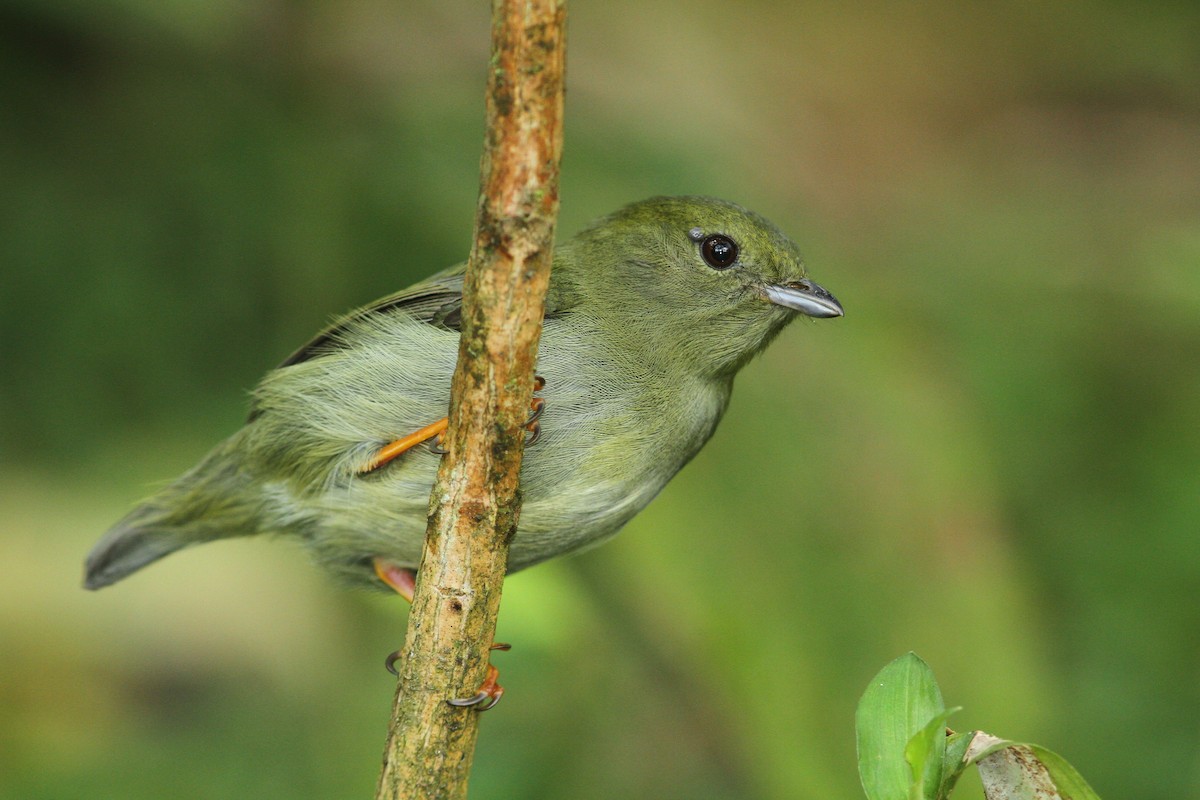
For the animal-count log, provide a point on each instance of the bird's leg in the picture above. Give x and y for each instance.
(393, 450)
(404, 582)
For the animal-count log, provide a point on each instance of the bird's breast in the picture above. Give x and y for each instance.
(613, 434)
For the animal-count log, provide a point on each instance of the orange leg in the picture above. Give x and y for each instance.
(390, 452)
(393, 450)
(402, 580)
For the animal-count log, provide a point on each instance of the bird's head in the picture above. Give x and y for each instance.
(704, 279)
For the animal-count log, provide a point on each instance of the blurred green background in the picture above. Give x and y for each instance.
(994, 459)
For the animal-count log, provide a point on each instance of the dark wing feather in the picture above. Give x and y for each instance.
(437, 301)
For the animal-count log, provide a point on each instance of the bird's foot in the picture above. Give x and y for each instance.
(536, 407)
(404, 582)
(490, 691)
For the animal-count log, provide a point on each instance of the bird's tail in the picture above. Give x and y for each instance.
(207, 503)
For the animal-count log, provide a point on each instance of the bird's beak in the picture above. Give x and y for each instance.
(803, 296)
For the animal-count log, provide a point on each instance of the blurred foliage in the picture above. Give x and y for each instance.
(993, 459)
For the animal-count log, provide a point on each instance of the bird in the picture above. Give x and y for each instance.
(650, 313)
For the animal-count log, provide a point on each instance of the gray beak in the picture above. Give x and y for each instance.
(804, 296)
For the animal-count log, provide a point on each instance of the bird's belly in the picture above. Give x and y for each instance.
(569, 504)
(605, 451)
(580, 515)
(589, 475)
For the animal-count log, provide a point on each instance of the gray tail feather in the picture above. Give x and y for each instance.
(209, 502)
(128, 546)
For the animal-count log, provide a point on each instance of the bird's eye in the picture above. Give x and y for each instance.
(719, 251)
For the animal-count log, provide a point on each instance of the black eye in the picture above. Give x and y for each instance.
(719, 251)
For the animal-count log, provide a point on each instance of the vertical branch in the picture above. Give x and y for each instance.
(475, 502)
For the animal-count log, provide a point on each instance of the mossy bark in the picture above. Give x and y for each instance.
(475, 502)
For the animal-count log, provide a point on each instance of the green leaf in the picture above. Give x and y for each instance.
(954, 761)
(1068, 780)
(898, 704)
(925, 753)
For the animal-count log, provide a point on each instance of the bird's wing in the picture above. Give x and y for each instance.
(436, 301)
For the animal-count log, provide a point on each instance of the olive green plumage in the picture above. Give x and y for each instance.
(651, 312)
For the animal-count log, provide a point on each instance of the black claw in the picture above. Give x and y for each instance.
(467, 702)
(532, 425)
(436, 448)
(537, 412)
(390, 663)
(539, 383)
(495, 693)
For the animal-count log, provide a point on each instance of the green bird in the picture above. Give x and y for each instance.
(650, 314)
